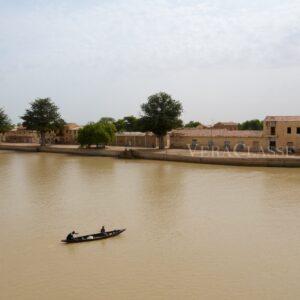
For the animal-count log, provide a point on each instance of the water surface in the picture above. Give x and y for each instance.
(193, 231)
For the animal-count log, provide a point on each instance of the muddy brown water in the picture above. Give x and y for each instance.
(193, 231)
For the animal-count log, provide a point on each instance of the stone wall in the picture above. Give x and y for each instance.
(221, 143)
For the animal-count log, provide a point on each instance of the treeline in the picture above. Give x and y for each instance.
(251, 125)
(5, 122)
(159, 114)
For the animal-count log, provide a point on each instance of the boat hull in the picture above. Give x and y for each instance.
(94, 237)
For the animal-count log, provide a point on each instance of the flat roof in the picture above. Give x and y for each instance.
(133, 133)
(283, 118)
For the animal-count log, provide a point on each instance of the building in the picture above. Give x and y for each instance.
(201, 126)
(68, 135)
(20, 134)
(282, 132)
(218, 139)
(136, 139)
(226, 125)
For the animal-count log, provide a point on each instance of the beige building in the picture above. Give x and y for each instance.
(136, 139)
(280, 133)
(20, 134)
(218, 139)
(201, 126)
(68, 135)
(283, 132)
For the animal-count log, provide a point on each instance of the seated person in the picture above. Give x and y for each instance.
(70, 236)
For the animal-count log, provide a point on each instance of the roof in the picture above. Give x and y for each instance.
(283, 118)
(201, 126)
(72, 126)
(133, 133)
(217, 133)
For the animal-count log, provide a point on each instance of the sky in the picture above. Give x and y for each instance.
(225, 60)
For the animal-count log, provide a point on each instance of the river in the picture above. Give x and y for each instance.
(193, 231)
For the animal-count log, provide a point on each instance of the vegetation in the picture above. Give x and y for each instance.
(100, 133)
(129, 123)
(107, 119)
(251, 125)
(120, 125)
(43, 116)
(161, 114)
(5, 123)
(192, 124)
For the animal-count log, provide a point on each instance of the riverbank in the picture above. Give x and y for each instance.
(179, 155)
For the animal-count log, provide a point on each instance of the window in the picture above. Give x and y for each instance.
(289, 130)
(194, 144)
(210, 145)
(273, 130)
(240, 146)
(226, 145)
(272, 145)
(298, 130)
(255, 146)
(290, 147)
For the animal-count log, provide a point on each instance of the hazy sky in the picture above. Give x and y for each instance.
(224, 59)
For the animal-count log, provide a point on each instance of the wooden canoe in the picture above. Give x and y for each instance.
(94, 236)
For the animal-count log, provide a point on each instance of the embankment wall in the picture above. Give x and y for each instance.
(276, 161)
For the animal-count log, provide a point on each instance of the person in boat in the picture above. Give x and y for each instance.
(102, 231)
(70, 236)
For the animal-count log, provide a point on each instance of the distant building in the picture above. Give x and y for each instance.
(283, 132)
(201, 126)
(222, 139)
(20, 134)
(136, 139)
(68, 135)
(280, 133)
(226, 125)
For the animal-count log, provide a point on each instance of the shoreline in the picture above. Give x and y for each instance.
(253, 160)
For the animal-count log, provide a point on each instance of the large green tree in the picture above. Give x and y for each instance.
(5, 123)
(251, 125)
(100, 133)
(161, 114)
(43, 116)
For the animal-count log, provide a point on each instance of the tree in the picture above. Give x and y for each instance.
(192, 124)
(5, 123)
(109, 128)
(107, 119)
(120, 125)
(43, 116)
(161, 114)
(100, 133)
(131, 123)
(128, 123)
(251, 125)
